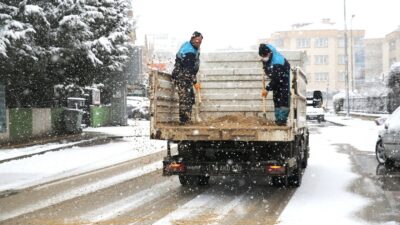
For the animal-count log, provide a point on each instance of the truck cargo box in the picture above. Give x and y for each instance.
(231, 107)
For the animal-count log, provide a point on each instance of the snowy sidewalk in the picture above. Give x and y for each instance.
(25, 172)
(90, 136)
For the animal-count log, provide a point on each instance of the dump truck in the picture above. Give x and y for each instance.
(232, 131)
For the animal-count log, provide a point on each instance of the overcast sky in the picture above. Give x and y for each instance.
(240, 23)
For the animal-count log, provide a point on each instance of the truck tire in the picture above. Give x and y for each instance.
(192, 180)
(304, 149)
(294, 180)
(203, 180)
(304, 162)
(188, 180)
(281, 181)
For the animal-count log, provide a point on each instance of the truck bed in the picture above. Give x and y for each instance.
(231, 108)
(221, 129)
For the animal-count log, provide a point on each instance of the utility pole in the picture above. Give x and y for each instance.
(118, 100)
(353, 86)
(327, 93)
(346, 61)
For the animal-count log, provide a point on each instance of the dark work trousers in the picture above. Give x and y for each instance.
(281, 97)
(186, 101)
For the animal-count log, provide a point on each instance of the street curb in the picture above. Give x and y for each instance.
(95, 140)
(79, 143)
(335, 123)
(357, 115)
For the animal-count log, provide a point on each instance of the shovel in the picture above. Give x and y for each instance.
(197, 108)
(264, 102)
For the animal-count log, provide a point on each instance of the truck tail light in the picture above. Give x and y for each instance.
(176, 167)
(275, 169)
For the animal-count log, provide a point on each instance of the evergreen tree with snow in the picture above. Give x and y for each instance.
(67, 42)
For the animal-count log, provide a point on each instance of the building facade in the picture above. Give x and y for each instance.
(324, 44)
(391, 50)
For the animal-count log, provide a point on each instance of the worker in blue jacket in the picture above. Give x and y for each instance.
(277, 68)
(186, 66)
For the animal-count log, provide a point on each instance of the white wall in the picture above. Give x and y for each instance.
(41, 121)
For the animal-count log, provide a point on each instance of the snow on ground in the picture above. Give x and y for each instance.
(15, 152)
(38, 169)
(362, 134)
(134, 128)
(324, 194)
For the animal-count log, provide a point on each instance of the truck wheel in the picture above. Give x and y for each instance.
(188, 180)
(304, 149)
(295, 178)
(304, 162)
(203, 180)
(279, 181)
(193, 180)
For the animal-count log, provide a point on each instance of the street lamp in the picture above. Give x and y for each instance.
(346, 69)
(352, 54)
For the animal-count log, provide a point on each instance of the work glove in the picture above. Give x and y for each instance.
(264, 93)
(197, 86)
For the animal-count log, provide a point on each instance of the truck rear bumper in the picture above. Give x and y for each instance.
(176, 166)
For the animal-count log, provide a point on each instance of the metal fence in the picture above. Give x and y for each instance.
(378, 104)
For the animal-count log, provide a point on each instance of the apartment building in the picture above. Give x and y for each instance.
(391, 50)
(324, 45)
(373, 59)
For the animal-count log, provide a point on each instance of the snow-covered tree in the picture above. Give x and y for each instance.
(394, 87)
(48, 42)
(20, 26)
(92, 39)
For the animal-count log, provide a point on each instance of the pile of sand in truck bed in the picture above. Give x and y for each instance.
(236, 120)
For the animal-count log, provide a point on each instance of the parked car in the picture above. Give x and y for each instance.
(314, 110)
(138, 107)
(387, 148)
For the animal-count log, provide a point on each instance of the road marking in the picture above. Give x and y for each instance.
(220, 207)
(83, 190)
(130, 203)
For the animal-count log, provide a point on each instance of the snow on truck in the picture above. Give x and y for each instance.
(229, 134)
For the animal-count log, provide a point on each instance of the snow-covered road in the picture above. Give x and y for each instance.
(339, 186)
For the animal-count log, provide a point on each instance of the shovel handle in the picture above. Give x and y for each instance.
(198, 95)
(264, 97)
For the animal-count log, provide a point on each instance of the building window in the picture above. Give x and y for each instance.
(342, 60)
(321, 76)
(341, 42)
(321, 60)
(303, 43)
(321, 43)
(392, 45)
(342, 76)
(278, 43)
